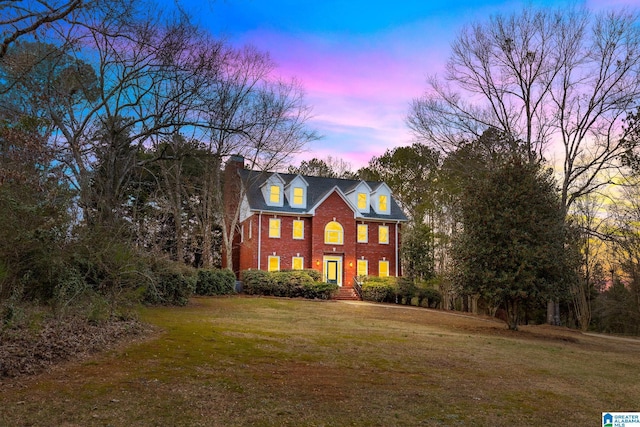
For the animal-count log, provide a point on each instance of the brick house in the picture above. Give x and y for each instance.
(340, 227)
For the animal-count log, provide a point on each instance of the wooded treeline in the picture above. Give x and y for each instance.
(522, 184)
(115, 121)
(521, 188)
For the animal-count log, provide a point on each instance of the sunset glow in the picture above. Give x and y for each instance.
(360, 62)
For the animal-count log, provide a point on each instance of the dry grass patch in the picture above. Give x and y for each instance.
(275, 362)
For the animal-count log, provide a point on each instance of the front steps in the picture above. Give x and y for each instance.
(346, 294)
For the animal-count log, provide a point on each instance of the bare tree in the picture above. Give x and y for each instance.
(566, 77)
(19, 18)
(592, 224)
(140, 77)
(626, 253)
(253, 115)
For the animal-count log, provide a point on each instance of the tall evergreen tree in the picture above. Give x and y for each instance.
(512, 247)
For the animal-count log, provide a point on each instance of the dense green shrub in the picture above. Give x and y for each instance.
(170, 288)
(431, 296)
(315, 274)
(170, 283)
(257, 282)
(319, 290)
(109, 267)
(291, 284)
(379, 289)
(215, 282)
(406, 290)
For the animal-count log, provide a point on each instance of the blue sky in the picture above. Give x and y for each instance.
(360, 62)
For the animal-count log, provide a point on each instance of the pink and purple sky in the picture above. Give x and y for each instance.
(361, 62)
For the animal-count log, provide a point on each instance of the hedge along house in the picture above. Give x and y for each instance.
(340, 227)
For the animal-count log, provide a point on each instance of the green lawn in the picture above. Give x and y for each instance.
(273, 362)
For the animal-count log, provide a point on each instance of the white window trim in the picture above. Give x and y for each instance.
(294, 227)
(366, 262)
(379, 234)
(366, 240)
(380, 263)
(269, 262)
(341, 240)
(293, 262)
(279, 228)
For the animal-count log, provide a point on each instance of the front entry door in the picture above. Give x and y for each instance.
(333, 270)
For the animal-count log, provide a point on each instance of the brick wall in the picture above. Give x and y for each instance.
(286, 247)
(374, 252)
(335, 207)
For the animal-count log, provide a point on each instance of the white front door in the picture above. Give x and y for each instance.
(332, 269)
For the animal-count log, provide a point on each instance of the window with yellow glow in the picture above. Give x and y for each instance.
(382, 205)
(298, 196)
(274, 263)
(298, 229)
(333, 233)
(362, 267)
(274, 227)
(362, 201)
(383, 268)
(363, 233)
(383, 234)
(297, 263)
(274, 194)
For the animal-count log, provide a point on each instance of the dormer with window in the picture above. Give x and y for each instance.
(273, 191)
(296, 192)
(360, 196)
(381, 200)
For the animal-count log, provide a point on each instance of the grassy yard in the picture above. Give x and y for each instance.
(274, 362)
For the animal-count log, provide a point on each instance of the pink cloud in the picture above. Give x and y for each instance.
(360, 89)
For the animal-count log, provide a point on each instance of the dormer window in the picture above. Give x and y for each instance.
(360, 196)
(381, 199)
(296, 191)
(298, 196)
(273, 191)
(274, 194)
(383, 203)
(362, 201)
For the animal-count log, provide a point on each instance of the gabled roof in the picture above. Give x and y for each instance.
(319, 188)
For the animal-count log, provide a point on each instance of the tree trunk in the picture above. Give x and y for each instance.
(513, 314)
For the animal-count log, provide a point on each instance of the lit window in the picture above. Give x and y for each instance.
(363, 233)
(297, 263)
(383, 268)
(298, 196)
(274, 263)
(383, 234)
(274, 227)
(274, 194)
(333, 233)
(362, 267)
(362, 201)
(298, 229)
(383, 203)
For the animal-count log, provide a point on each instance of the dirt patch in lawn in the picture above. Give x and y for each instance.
(26, 352)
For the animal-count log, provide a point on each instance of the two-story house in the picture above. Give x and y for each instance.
(341, 227)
